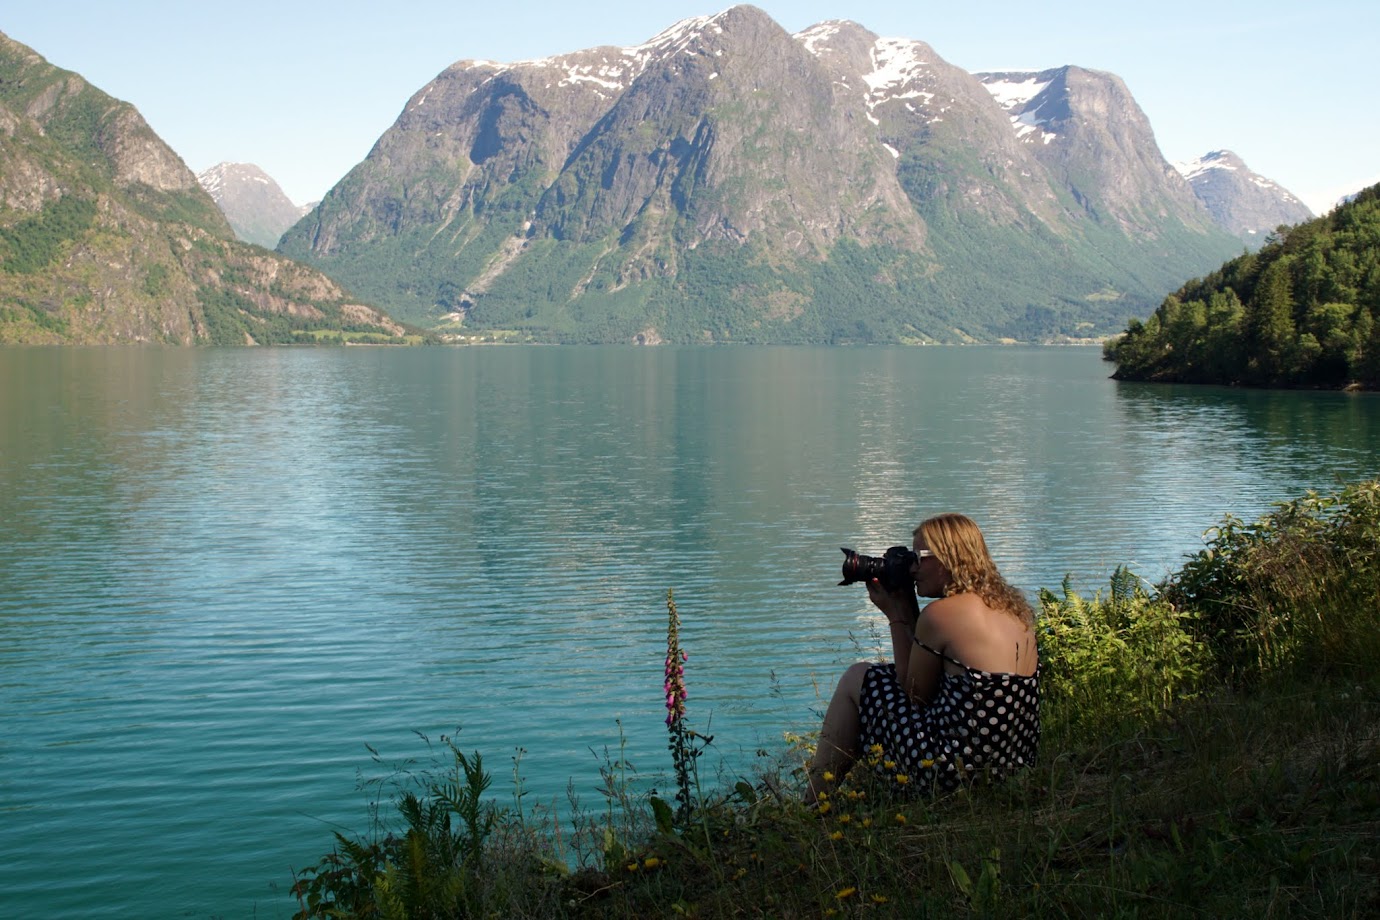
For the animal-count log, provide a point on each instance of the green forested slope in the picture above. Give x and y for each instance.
(1302, 312)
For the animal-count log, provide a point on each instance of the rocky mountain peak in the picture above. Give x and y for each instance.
(695, 35)
(729, 111)
(1244, 202)
(258, 210)
(1087, 128)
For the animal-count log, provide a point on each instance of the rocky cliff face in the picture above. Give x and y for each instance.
(1086, 130)
(251, 201)
(106, 237)
(729, 181)
(1241, 201)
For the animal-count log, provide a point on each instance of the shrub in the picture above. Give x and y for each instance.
(1295, 589)
(1113, 661)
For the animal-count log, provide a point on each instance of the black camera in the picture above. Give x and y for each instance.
(892, 570)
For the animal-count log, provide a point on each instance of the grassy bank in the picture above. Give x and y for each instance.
(1211, 748)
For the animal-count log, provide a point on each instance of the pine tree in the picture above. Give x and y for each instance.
(1365, 364)
(1271, 324)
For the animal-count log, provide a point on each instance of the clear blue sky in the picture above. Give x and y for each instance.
(303, 89)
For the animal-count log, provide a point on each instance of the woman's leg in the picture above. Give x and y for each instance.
(838, 738)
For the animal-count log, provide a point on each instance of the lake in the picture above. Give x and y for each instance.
(224, 572)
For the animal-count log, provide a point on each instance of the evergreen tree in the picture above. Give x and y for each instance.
(1365, 368)
(1270, 321)
(1224, 358)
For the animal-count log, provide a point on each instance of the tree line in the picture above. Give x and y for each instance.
(1303, 312)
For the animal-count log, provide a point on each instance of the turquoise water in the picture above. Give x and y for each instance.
(223, 573)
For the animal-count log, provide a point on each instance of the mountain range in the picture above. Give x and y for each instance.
(106, 236)
(725, 181)
(729, 181)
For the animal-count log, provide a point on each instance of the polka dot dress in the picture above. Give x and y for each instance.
(979, 723)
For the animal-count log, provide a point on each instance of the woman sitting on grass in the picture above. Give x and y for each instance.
(962, 699)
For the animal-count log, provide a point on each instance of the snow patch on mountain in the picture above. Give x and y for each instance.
(1011, 93)
(897, 68)
(1019, 94)
(1192, 169)
(617, 68)
(213, 179)
(815, 39)
(679, 37)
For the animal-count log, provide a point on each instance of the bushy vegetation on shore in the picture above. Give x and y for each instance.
(1304, 311)
(1211, 747)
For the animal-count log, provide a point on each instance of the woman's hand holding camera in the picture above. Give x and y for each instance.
(901, 607)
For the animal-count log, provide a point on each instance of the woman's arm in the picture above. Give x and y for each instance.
(918, 673)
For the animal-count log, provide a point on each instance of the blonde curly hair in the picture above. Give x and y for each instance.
(958, 544)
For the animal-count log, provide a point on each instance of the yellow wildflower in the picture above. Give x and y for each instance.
(900, 819)
(846, 893)
(889, 764)
(927, 763)
(651, 862)
(836, 835)
(876, 749)
(632, 867)
(867, 822)
(879, 899)
(828, 777)
(824, 808)
(902, 778)
(844, 819)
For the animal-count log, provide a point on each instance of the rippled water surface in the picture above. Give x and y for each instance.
(225, 572)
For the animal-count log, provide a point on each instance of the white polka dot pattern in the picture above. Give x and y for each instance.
(979, 723)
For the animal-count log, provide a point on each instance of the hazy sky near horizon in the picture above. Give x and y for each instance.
(304, 89)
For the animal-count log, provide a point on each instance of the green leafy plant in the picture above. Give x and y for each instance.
(432, 868)
(1125, 657)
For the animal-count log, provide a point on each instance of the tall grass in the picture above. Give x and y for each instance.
(1211, 748)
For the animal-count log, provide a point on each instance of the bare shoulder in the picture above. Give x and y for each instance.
(947, 616)
(953, 607)
(966, 628)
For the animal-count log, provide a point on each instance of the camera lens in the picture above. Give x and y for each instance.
(892, 570)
